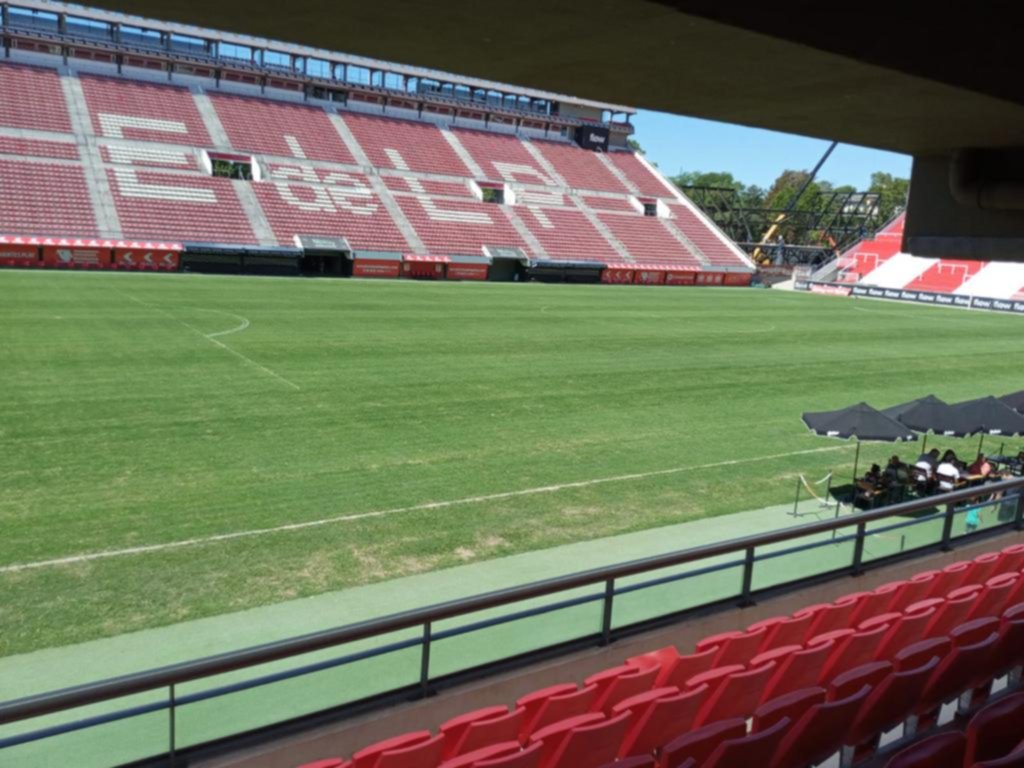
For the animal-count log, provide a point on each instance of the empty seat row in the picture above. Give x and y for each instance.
(710, 724)
(994, 738)
(788, 690)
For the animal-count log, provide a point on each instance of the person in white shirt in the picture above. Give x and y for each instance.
(947, 473)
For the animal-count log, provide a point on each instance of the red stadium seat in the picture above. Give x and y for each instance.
(952, 613)
(674, 668)
(528, 758)
(713, 678)
(426, 754)
(904, 631)
(800, 669)
(852, 680)
(655, 723)
(1013, 559)
(889, 618)
(831, 616)
(850, 651)
(943, 751)
(873, 603)
(965, 667)
(643, 761)
(734, 647)
(1010, 651)
(469, 759)
(585, 745)
(995, 730)
(793, 706)
(370, 756)
(1013, 760)
(888, 705)
(481, 728)
(737, 696)
(918, 587)
(819, 733)
(744, 751)
(614, 685)
(551, 705)
(700, 743)
(784, 630)
(918, 653)
(995, 596)
(985, 566)
(954, 575)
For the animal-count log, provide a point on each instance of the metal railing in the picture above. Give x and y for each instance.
(746, 554)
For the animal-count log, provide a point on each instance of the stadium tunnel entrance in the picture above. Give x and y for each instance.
(325, 265)
(324, 256)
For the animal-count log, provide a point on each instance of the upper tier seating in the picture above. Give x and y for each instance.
(32, 98)
(502, 157)
(405, 145)
(280, 128)
(748, 707)
(580, 168)
(634, 170)
(41, 199)
(308, 179)
(143, 111)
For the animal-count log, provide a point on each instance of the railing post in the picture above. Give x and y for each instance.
(947, 529)
(1018, 522)
(858, 549)
(606, 619)
(173, 727)
(748, 579)
(425, 660)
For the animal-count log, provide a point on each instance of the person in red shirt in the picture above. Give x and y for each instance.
(981, 466)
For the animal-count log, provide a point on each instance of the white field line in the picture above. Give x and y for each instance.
(212, 338)
(237, 329)
(90, 556)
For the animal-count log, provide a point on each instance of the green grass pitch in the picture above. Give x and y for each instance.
(140, 411)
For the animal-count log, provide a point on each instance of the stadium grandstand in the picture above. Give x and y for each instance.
(154, 149)
(878, 268)
(372, 523)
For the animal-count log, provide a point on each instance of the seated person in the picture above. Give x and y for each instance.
(873, 475)
(925, 467)
(929, 460)
(896, 472)
(951, 458)
(947, 473)
(981, 466)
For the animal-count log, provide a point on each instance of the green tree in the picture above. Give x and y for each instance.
(892, 192)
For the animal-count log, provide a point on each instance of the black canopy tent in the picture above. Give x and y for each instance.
(1014, 400)
(920, 415)
(859, 421)
(984, 416)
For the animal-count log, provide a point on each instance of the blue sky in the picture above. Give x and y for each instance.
(752, 155)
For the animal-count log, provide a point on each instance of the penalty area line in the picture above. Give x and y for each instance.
(111, 553)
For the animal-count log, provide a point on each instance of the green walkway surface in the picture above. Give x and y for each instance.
(202, 721)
